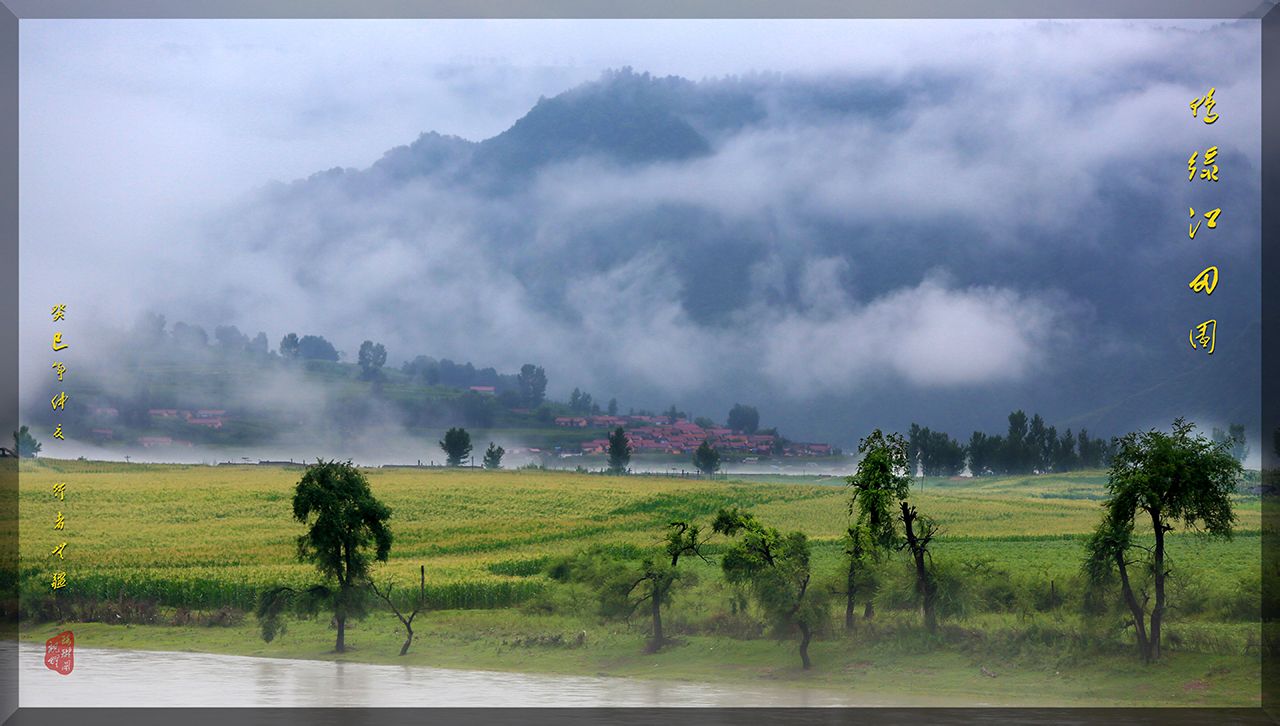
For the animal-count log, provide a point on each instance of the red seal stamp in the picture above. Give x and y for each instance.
(59, 652)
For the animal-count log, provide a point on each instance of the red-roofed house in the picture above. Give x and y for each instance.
(212, 423)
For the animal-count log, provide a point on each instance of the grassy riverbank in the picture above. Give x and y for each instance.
(180, 552)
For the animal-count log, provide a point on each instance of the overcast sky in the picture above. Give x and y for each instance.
(136, 135)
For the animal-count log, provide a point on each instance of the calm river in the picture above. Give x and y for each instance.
(108, 677)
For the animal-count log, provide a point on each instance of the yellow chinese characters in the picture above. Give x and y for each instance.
(1209, 172)
(1207, 103)
(1212, 223)
(59, 403)
(1206, 281)
(1206, 334)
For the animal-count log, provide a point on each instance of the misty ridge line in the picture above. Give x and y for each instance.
(659, 237)
(1029, 447)
(673, 234)
(621, 131)
(239, 392)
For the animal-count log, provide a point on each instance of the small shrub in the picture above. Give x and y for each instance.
(1244, 601)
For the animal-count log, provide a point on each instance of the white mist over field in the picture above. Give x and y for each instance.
(850, 224)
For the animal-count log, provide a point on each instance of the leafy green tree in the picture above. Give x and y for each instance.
(918, 531)
(1018, 457)
(706, 458)
(289, 346)
(780, 444)
(345, 521)
(859, 549)
(372, 357)
(456, 446)
(1084, 450)
(657, 577)
(259, 345)
(1049, 454)
(1037, 443)
(230, 338)
(532, 381)
(1173, 479)
(150, 327)
(704, 422)
(580, 402)
(493, 456)
(1235, 439)
(315, 347)
(1239, 442)
(933, 453)
(1093, 453)
(190, 336)
(984, 454)
(745, 419)
(619, 451)
(915, 449)
(776, 568)
(1066, 459)
(882, 479)
(942, 455)
(24, 444)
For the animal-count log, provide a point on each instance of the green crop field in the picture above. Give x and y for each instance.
(203, 538)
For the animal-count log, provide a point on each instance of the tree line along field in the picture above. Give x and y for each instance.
(204, 538)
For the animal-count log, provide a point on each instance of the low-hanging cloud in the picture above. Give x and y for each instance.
(942, 209)
(930, 335)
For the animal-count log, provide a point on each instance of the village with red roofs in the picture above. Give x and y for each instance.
(665, 435)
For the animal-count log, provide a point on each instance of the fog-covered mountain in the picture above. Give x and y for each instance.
(843, 253)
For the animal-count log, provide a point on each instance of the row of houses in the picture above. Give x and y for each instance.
(683, 437)
(212, 418)
(146, 442)
(585, 422)
(603, 421)
(150, 442)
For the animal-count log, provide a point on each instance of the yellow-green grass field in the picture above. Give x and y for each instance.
(233, 524)
(201, 537)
